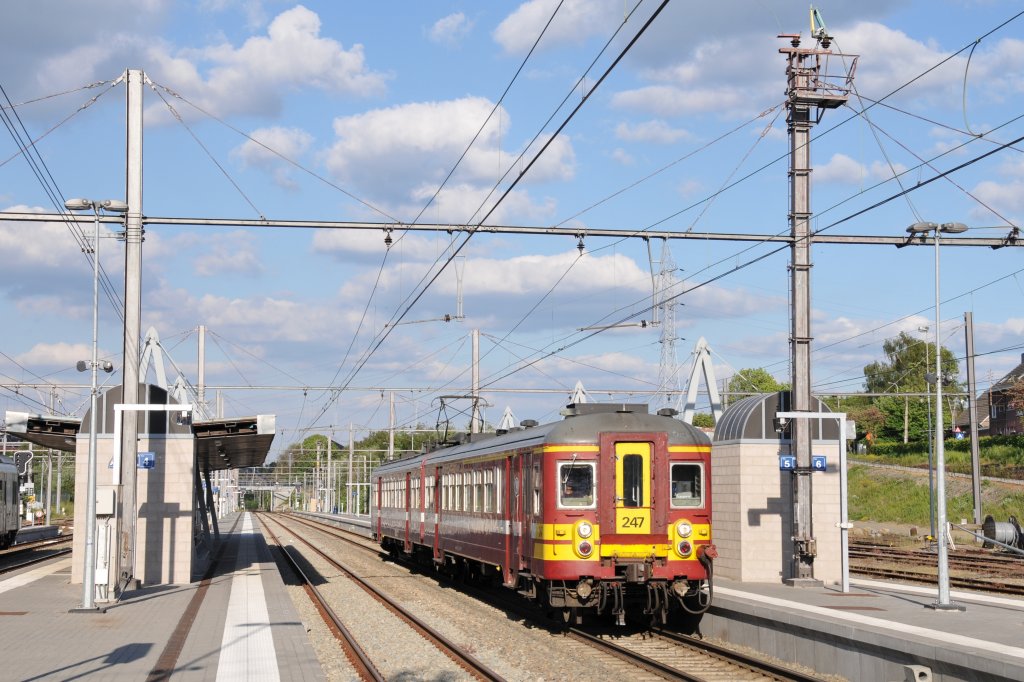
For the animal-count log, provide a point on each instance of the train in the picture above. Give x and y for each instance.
(607, 511)
(10, 519)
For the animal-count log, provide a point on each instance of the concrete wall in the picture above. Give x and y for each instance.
(164, 548)
(753, 512)
(166, 502)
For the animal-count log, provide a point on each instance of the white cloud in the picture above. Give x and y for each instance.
(28, 245)
(259, 152)
(234, 252)
(401, 154)
(468, 204)
(1005, 197)
(576, 21)
(622, 156)
(650, 131)
(840, 168)
(843, 169)
(56, 354)
(672, 100)
(358, 245)
(254, 77)
(450, 30)
(689, 188)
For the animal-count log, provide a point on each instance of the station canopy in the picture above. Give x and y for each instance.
(219, 443)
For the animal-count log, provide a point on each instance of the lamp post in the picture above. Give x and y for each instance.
(943, 602)
(89, 573)
(931, 452)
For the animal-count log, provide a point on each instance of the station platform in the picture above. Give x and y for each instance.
(878, 631)
(238, 623)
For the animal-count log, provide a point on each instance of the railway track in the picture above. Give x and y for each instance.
(31, 553)
(677, 657)
(460, 656)
(660, 652)
(972, 569)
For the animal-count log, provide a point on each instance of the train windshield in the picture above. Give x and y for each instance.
(576, 484)
(687, 482)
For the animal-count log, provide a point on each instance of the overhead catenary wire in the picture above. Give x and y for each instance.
(904, 192)
(424, 287)
(570, 342)
(37, 164)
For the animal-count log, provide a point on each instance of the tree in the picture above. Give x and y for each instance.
(754, 380)
(1016, 394)
(908, 361)
(703, 420)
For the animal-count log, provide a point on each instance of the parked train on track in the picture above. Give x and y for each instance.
(10, 520)
(607, 511)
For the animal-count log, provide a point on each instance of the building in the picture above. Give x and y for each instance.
(1004, 419)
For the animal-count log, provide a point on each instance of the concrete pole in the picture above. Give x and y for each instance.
(60, 453)
(806, 90)
(132, 329)
(391, 427)
(351, 454)
(943, 602)
(49, 484)
(330, 471)
(972, 403)
(89, 570)
(800, 338)
(475, 421)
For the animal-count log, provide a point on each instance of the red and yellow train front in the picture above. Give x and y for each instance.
(631, 519)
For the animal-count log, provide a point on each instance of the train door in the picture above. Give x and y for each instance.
(632, 488)
(513, 519)
(422, 502)
(438, 488)
(407, 496)
(376, 496)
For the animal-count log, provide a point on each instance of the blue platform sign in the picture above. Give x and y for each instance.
(147, 460)
(787, 462)
(819, 463)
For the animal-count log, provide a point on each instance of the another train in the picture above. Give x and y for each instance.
(607, 511)
(10, 519)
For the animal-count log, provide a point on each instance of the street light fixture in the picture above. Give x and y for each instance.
(89, 574)
(943, 602)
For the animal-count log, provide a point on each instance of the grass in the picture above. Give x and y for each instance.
(890, 497)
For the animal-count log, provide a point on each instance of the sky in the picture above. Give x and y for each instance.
(501, 113)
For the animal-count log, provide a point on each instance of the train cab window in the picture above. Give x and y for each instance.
(632, 481)
(687, 485)
(576, 484)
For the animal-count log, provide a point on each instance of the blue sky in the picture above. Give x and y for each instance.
(367, 108)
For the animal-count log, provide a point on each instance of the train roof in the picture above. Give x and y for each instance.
(582, 424)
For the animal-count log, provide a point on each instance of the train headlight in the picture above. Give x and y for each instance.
(683, 529)
(684, 548)
(584, 548)
(584, 529)
(584, 589)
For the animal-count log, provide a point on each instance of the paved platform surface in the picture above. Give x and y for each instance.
(239, 624)
(875, 630)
